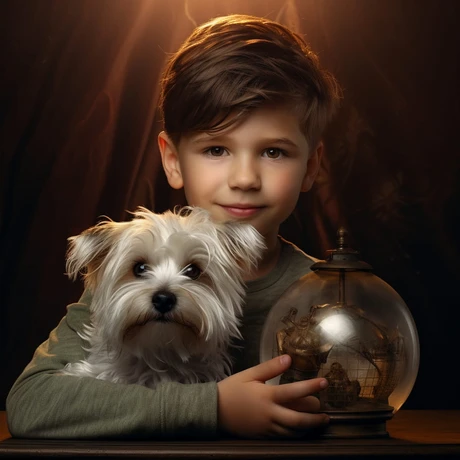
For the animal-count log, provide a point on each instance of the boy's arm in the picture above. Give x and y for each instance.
(44, 404)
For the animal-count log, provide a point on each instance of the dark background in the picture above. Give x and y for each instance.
(78, 126)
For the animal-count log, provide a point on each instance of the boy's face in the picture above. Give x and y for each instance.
(253, 171)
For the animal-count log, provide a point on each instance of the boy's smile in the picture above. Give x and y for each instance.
(252, 171)
(241, 211)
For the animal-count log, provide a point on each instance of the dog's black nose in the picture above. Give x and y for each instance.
(164, 301)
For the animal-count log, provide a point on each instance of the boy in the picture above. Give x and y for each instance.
(244, 103)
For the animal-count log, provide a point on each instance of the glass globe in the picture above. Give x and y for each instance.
(346, 324)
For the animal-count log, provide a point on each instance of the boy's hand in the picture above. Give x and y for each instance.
(250, 408)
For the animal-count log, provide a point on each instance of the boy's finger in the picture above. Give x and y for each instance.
(267, 370)
(307, 404)
(292, 391)
(299, 421)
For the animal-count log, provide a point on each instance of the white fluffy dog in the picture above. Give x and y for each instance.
(167, 294)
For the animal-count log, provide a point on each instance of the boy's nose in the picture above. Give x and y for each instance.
(244, 175)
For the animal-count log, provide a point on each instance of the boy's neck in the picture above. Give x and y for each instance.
(268, 262)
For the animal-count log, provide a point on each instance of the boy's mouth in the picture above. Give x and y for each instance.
(241, 210)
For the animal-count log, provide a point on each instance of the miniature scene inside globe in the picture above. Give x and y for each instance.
(346, 324)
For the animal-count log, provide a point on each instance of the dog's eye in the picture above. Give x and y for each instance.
(139, 269)
(192, 271)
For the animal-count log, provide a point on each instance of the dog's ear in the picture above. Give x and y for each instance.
(243, 242)
(87, 251)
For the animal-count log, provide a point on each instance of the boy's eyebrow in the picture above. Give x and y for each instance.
(281, 140)
(266, 141)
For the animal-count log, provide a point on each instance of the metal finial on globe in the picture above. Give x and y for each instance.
(342, 238)
(342, 257)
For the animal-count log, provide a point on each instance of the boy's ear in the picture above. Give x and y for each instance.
(313, 164)
(170, 160)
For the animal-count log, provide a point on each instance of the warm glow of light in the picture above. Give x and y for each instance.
(338, 328)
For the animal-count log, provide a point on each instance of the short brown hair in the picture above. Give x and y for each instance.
(233, 64)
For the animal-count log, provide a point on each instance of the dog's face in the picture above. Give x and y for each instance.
(167, 282)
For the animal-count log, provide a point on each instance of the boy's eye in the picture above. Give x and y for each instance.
(192, 271)
(216, 151)
(139, 269)
(273, 153)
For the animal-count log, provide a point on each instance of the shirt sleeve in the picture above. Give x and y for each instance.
(43, 403)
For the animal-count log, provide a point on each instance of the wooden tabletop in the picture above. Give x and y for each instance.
(414, 434)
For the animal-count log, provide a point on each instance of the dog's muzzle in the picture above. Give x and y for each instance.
(164, 301)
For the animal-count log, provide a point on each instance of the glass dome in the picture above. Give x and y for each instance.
(346, 324)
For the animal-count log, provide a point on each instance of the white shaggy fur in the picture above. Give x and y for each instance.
(167, 294)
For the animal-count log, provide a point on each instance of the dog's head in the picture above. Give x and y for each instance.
(162, 281)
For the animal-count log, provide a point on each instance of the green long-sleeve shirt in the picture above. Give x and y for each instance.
(46, 404)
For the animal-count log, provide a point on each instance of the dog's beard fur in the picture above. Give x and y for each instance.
(129, 340)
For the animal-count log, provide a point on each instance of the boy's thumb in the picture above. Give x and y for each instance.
(268, 369)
